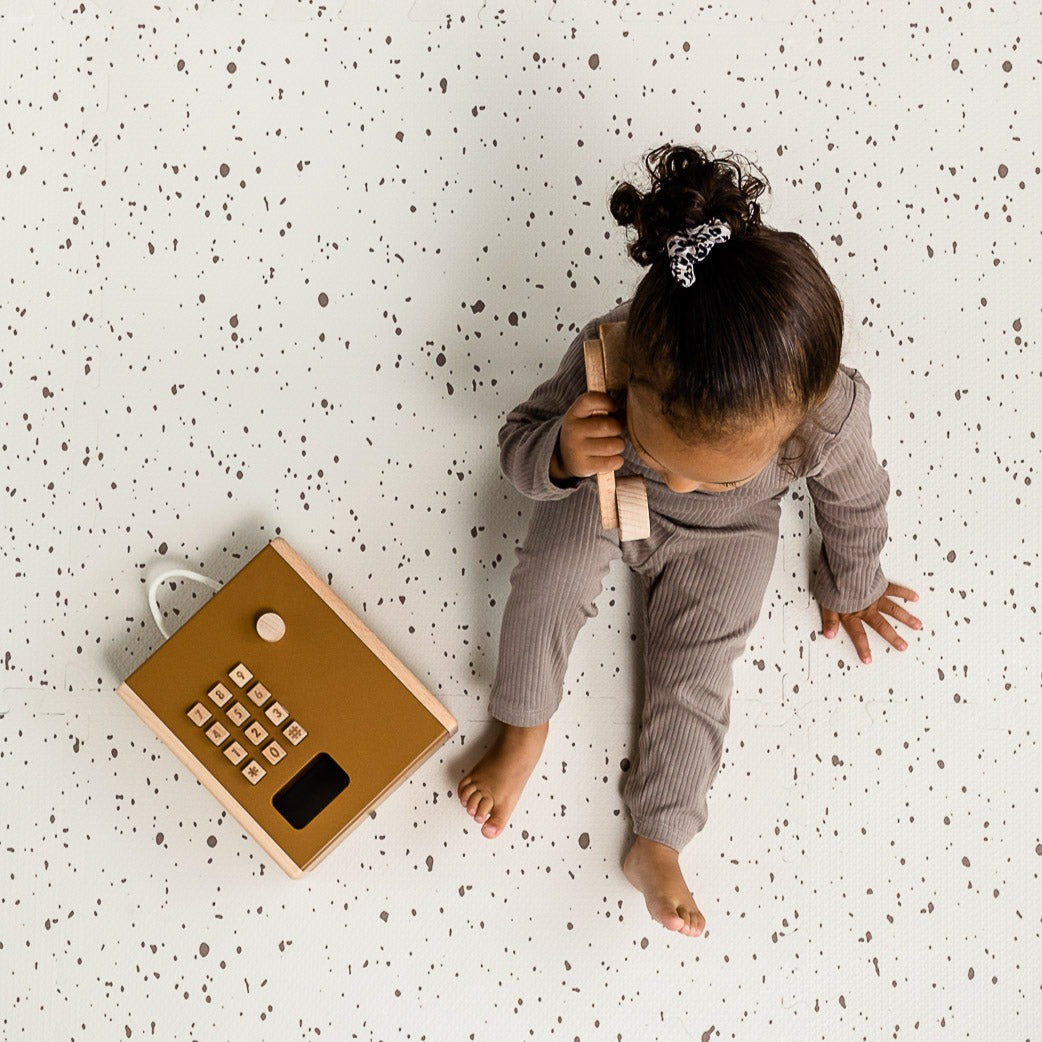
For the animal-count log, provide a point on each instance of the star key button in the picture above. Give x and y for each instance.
(253, 772)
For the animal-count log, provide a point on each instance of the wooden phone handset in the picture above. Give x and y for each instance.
(623, 500)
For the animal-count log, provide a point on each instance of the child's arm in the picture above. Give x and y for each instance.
(850, 490)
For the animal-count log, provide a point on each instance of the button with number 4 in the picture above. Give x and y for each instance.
(217, 733)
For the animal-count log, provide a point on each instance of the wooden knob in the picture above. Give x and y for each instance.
(270, 627)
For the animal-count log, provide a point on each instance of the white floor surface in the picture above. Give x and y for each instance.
(281, 268)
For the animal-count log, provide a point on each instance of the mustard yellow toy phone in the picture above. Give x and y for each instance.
(287, 707)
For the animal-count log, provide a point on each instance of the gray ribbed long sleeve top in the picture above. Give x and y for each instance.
(833, 451)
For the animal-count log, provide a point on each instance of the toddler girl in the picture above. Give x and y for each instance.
(735, 390)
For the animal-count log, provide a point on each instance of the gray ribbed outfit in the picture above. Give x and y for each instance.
(704, 571)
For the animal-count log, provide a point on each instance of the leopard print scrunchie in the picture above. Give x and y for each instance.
(692, 245)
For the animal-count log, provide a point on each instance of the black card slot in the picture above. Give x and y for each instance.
(311, 790)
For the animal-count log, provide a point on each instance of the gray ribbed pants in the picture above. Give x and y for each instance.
(702, 591)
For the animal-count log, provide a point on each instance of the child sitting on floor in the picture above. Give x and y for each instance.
(735, 390)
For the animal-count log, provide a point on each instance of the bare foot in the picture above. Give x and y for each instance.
(654, 869)
(491, 790)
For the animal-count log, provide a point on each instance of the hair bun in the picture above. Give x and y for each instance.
(686, 188)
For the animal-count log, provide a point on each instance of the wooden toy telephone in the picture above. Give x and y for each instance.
(286, 706)
(623, 500)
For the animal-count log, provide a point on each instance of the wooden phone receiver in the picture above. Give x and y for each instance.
(623, 500)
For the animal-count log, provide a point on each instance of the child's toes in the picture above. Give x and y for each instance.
(493, 827)
(695, 923)
(694, 919)
(479, 805)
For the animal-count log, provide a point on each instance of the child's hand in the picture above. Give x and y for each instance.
(591, 439)
(854, 621)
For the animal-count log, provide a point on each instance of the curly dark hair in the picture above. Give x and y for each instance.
(758, 334)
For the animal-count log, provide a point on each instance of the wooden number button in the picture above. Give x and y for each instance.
(199, 714)
(258, 694)
(256, 733)
(219, 694)
(274, 753)
(270, 627)
(238, 713)
(277, 713)
(294, 734)
(235, 752)
(253, 772)
(241, 675)
(217, 733)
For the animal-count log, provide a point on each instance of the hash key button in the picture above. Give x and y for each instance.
(295, 733)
